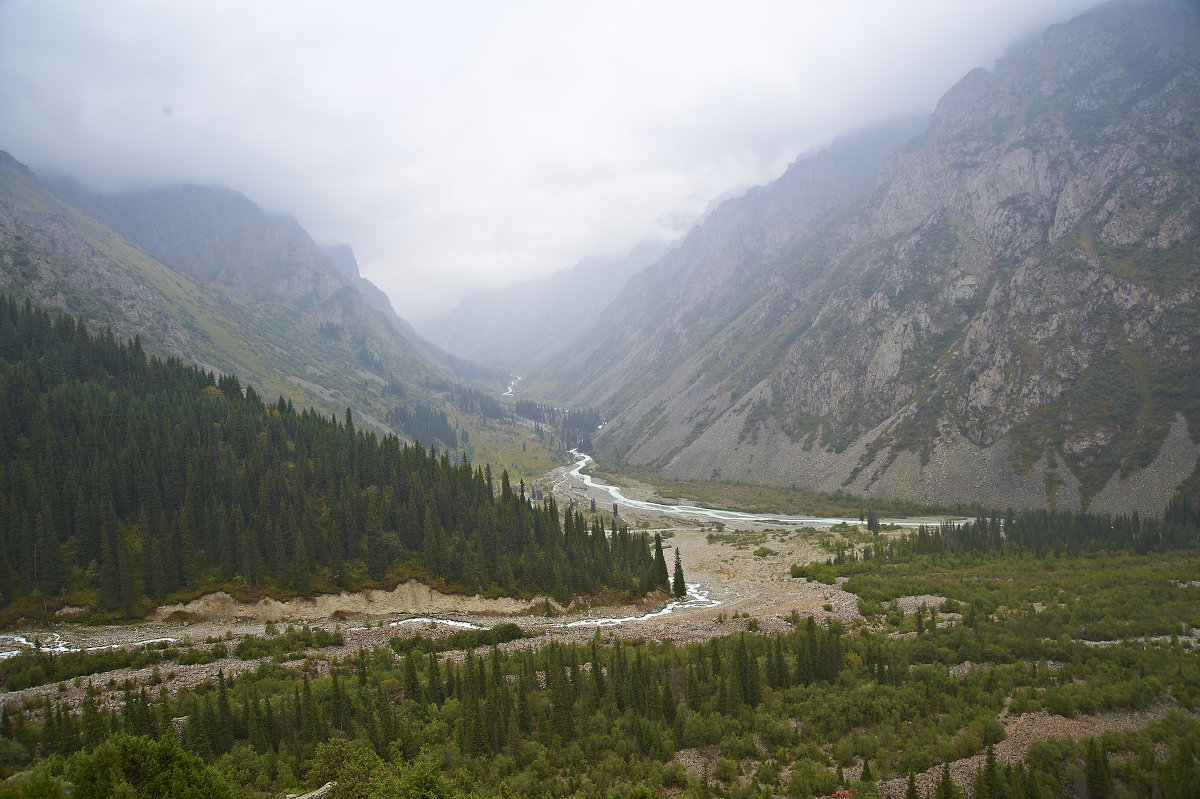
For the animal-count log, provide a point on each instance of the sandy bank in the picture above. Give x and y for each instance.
(408, 597)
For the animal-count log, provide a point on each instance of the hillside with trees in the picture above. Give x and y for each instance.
(127, 480)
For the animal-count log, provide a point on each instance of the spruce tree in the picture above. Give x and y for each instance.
(224, 741)
(946, 789)
(678, 586)
(1096, 770)
(435, 692)
(661, 578)
(95, 729)
(195, 737)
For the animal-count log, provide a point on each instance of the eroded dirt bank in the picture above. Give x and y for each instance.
(730, 577)
(410, 597)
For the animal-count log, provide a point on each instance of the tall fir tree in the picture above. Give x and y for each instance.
(678, 586)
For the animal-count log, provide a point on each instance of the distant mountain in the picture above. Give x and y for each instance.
(217, 234)
(1005, 308)
(206, 275)
(522, 327)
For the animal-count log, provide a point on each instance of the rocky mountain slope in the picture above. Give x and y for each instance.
(1005, 309)
(219, 236)
(206, 275)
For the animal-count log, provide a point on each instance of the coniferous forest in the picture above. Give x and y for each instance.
(127, 479)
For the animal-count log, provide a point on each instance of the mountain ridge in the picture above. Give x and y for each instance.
(204, 274)
(1004, 312)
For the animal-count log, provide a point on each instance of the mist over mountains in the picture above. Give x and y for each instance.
(995, 303)
(522, 327)
(917, 422)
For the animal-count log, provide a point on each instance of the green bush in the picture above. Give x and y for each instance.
(726, 770)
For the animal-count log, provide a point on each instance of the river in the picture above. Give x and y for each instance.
(575, 472)
(55, 643)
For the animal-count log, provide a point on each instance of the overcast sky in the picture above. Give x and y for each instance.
(462, 146)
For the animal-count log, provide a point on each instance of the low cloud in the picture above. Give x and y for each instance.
(460, 146)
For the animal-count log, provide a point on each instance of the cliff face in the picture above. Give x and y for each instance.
(674, 308)
(1006, 310)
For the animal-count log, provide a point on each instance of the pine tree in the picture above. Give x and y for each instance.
(992, 779)
(693, 688)
(435, 692)
(95, 729)
(746, 666)
(310, 722)
(274, 733)
(678, 586)
(661, 578)
(946, 789)
(257, 734)
(195, 737)
(1096, 770)
(412, 684)
(667, 702)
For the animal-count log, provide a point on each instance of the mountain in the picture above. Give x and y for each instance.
(218, 235)
(1003, 309)
(204, 274)
(669, 309)
(341, 256)
(522, 327)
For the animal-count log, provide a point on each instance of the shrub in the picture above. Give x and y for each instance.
(726, 770)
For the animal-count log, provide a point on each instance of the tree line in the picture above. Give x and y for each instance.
(1036, 533)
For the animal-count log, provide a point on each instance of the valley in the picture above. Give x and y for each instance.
(877, 477)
